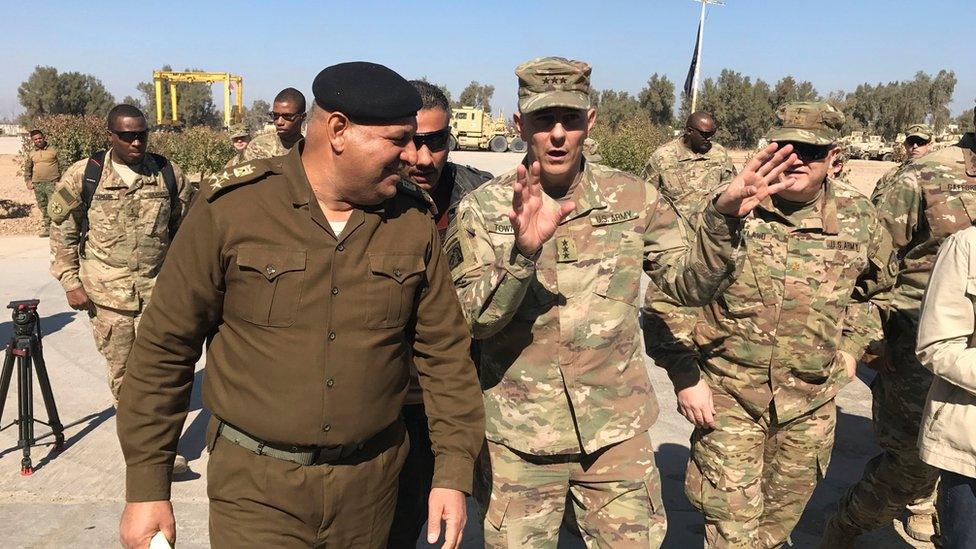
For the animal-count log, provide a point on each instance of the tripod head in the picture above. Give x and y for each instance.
(25, 316)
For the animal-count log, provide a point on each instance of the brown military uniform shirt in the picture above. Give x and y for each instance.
(42, 165)
(311, 334)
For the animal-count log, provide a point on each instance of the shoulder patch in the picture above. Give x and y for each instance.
(235, 176)
(62, 202)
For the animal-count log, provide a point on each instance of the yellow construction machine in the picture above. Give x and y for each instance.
(231, 82)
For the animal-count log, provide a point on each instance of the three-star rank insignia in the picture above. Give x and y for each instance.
(566, 250)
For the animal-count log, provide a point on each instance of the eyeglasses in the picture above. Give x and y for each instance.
(129, 137)
(705, 135)
(289, 116)
(435, 141)
(807, 152)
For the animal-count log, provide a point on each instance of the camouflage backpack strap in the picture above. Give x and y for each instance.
(93, 174)
(408, 188)
(223, 181)
(169, 179)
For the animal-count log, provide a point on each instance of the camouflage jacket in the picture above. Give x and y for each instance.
(560, 353)
(686, 177)
(932, 198)
(773, 335)
(128, 233)
(264, 145)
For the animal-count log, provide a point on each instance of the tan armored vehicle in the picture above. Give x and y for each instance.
(868, 147)
(475, 129)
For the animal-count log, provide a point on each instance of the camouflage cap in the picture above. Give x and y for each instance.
(553, 82)
(238, 130)
(922, 131)
(810, 122)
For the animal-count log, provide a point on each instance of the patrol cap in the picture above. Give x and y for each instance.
(238, 130)
(921, 131)
(553, 82)
(364, 90)
(810, 122)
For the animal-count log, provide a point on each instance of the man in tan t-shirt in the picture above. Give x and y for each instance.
(41, 172)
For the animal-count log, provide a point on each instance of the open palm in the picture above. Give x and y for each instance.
(758, 179)
(532, 222)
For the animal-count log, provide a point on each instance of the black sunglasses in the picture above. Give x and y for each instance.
(435, 141)
(705, 135)
(129, 137)
(290, 117)
(807, 152)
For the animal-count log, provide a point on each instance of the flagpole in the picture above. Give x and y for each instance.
(698, 48)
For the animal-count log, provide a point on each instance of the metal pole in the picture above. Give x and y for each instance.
(694, 81)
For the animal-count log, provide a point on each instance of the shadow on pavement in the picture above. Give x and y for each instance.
(91, 421)
(49, 324)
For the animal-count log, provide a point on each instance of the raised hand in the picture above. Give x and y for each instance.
(532, 222)
(758, 179)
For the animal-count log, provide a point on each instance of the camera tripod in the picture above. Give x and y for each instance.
(25, 349)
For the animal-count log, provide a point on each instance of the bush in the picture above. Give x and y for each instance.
(197, 150)
(631, 144)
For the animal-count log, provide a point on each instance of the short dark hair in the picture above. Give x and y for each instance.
(291, 95)
(431, 96)
(36, 132)
(123, 111)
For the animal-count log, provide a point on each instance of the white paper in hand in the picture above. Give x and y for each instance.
(159, 541)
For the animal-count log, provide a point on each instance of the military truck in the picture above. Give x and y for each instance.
(868, 147)
(474, 129)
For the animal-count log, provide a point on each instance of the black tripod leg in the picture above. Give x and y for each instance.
(8, 371)
(25, 400)
(45, 385)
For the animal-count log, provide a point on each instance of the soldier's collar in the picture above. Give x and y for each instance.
(587, 195)
(826, 222)
(685, 152)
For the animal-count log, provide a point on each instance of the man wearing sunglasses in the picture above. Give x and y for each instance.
(108, 241)
(547, 260)
(931, 198)
(287, 114)
(443, 185)
(779, 343)
(684, 170)
(917, 143)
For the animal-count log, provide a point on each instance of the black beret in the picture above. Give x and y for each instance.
(365, 90)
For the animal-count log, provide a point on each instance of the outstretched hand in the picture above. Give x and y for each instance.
(532, 222)
(758, 179)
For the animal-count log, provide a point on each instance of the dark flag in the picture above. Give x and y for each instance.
(690, 80)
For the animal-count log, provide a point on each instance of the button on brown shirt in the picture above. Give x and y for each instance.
(311, 333)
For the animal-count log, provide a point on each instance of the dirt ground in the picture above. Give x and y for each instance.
(19, 214)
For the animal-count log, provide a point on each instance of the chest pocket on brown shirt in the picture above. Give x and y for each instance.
(271, 285)
(392, 288)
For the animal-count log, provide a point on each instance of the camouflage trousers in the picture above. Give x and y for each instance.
(752, 476)
(42, 194)
(897, 477)
(115, 332)
(615, 494)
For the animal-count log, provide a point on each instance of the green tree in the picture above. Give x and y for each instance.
(194, 102)
(46, 92)
(657, 99)
(477, 95)
(742, 108)
(630, 144)
(788, 89)
(613, 107)
(965, 121)
(256, 116)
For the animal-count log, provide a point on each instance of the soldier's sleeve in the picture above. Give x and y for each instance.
(691, 271)
(651, 172)
(490, 283)
(863, 318)
(899, 205)
(186, 192)
(65, 227)
(452, 393)
(28, 168)
(159, 372)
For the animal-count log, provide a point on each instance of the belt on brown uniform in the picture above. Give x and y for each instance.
(302, 455)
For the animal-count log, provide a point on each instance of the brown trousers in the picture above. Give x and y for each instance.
(261, 501)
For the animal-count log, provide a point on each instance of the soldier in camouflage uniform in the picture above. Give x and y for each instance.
(130, 221)
(547, 261)
(684, 170)
(918, 143)
(934, 197)
(287, 114)
(778, 344)
(42, 169)
(240, 137)
(442, 185)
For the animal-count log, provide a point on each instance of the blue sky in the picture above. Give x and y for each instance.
(836, 44)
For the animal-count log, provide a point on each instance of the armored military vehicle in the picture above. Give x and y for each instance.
(474, 129)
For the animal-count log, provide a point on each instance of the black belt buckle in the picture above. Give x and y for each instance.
(327, 454)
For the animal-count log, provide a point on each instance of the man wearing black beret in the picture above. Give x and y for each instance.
(316, 284)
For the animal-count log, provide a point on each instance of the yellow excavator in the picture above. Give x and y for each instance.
(230, 81)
